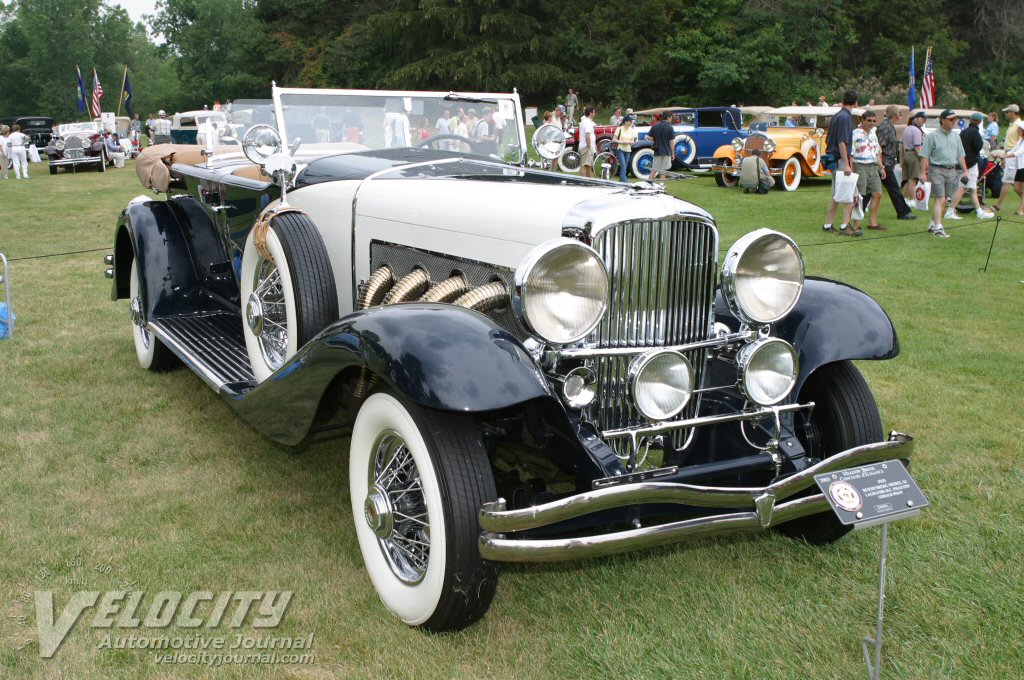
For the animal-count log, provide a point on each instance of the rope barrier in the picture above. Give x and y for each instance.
(73, 252)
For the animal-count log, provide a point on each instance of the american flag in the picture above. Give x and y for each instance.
(928, 84)
(97, 94)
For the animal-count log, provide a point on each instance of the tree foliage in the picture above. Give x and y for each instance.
(636, 53)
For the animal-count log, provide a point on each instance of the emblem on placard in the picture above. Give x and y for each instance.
(845, 496)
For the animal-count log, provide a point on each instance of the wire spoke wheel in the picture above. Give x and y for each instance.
(396, 509)
(266, 314)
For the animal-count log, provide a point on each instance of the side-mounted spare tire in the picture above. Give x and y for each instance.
(288, 297)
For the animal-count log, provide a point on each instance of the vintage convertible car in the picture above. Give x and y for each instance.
(698, 133)
(792, 143)
(76, 145)
(533, 366)
(38, 128)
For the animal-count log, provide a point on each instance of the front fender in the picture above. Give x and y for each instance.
(726, 151)
(440, 356)
(832, 322)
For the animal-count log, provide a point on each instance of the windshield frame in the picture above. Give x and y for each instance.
(513, 112)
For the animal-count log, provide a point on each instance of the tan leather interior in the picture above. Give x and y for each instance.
(153, 165)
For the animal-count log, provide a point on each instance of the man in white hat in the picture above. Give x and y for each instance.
(1013, 161)
(161, 128)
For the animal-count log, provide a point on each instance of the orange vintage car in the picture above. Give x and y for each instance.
(792, 144)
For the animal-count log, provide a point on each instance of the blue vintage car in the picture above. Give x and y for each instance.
(699, 131)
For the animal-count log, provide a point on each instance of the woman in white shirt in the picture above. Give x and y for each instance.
(16, 143)
(5, 158)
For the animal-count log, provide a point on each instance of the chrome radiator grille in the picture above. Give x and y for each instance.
(662, 275)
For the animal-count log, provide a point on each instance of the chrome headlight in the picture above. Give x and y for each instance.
(767, 370)
(769, 145)
(59, 145)
(737, 144)
(660, 383)
(561, 291)
(549, 141)
(762, 276)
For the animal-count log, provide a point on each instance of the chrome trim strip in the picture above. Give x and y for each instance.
(671, 425)
(591, 352)
(77, 161)
(494, 518)
(498, 549)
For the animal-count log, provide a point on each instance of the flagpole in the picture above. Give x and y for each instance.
(121, 97)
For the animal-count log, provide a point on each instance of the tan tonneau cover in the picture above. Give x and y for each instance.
(154, 164)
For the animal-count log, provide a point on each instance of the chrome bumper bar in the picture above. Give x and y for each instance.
(759, 508)
(734, 170)
(77, 161)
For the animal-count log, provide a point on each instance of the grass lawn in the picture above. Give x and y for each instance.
(114, 478)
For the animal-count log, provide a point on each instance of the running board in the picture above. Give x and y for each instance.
(211, 343)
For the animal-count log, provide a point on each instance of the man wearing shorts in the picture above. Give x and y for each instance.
(942, 159)
(1012, 172)
(662, 134)
(588, 142)
(973, 144)
(913, 138)
(867, 163)
(838, 144)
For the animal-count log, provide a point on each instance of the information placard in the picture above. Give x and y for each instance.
(872, 494)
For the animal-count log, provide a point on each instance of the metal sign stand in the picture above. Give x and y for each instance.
(6, 279)
(874, 667)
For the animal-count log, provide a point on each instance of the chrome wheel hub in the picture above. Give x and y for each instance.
(266, 314)
(135, 310)
(377, 511)
(254, 314)
(395, 509)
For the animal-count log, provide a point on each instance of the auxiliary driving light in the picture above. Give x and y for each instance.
(660, 383)
(767, 370)
(580, 387)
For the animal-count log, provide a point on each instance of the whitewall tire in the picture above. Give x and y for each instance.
(791, 175)
(288, 299)
(417, 479)
(569, 161)
(152, 354)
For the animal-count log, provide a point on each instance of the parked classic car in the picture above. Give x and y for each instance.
(699, 132)
(533, 366)
(792, 143)
(38, 128)
(186, 127)
(77, 145)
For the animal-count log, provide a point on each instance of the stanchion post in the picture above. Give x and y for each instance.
(6, 277)
(875, 666)
(992, 243)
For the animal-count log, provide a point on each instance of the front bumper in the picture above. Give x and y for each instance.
(754, 508)
(77, 161)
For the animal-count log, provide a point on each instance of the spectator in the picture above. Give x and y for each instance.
(161, 129)
(661, 134)
(624, 137)
(322, 126)
(837, 148)
(616, 118)
(16, 150)
(755, 175)
(973, 144)
(112, 145)
(588, 142)
(942, 158)
(992, 130)
(913, 138)
(135, 126)
(485, 134)
(548, 119)
(890, 148)
(867, 162)
(571, 102)
(1013, 172)
(822, 101)
(5, 151)
(353, 124)
(150, 121)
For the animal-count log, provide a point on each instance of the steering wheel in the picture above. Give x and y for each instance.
(431, 142)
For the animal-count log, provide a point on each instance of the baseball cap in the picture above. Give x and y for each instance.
(947, 113)
(918, 114)
(977, 116)
(630, 117)
(629, 112)
(162, 113)
(1012, 107)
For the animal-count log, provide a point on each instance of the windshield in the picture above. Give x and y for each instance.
(775, 120)
(361, 120)
(69, 128)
